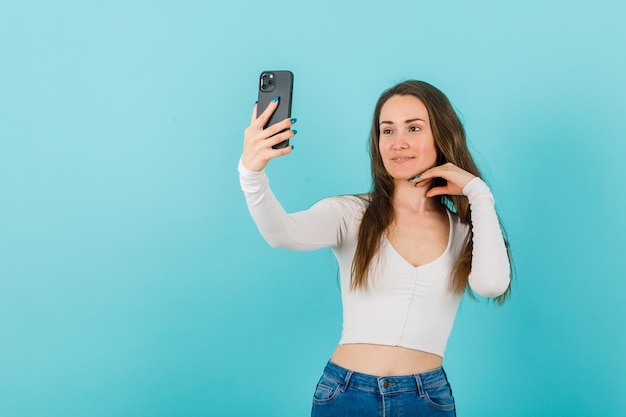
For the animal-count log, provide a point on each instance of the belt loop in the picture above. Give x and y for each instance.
(420, 387)
(346, 381)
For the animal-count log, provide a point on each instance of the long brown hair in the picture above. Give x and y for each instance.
(451, 145)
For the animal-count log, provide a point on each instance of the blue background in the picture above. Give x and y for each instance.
(133, 281)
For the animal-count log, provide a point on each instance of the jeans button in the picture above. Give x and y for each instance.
(386, 384)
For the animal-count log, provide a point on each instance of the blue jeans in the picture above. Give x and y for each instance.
(341, 392)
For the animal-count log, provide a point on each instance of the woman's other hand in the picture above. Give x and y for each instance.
(455, 177)
(258, 142)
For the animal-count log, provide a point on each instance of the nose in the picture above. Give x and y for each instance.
(400, 143)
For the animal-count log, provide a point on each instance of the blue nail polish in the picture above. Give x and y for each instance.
(294, 131)
(414, 178)
(275, 99)
(294, 120)
(293, 147)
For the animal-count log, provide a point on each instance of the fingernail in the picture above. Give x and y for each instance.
(294, 131)
(294, 120)
(293, 147)
(275, 99)
(414, 178)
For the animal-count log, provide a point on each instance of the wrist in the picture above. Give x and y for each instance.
(251, 166)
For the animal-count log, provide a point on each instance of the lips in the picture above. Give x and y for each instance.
(401, 159)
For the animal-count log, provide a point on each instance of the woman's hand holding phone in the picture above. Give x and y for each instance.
(258, 142)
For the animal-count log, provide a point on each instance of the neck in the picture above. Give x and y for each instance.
(411, 198)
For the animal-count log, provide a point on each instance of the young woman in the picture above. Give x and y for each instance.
(407, 251)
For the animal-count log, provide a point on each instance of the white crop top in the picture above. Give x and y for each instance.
(403, 305)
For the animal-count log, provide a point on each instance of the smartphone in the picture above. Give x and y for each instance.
(272, 84)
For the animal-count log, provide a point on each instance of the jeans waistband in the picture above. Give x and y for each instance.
(385, 384)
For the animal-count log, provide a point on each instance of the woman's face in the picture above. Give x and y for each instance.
(406, 142)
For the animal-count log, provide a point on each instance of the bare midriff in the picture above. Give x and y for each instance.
(380, 360)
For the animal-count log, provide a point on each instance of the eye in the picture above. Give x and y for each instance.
(414, 129)
(386, 131)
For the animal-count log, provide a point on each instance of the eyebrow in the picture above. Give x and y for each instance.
(406, 121)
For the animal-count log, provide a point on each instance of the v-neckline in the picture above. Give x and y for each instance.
(396, 253)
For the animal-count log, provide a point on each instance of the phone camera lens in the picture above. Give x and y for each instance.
(270, 82)
(263, 87)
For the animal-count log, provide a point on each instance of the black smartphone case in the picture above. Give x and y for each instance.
(272, 84)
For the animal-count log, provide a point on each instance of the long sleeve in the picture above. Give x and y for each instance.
(322, 225)
(490, 275)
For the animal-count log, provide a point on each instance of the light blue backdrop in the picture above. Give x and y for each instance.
(134, 283)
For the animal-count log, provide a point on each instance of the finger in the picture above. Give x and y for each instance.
(433, 192)
(254, 134)
(434, 172)
(272, 153)
(262, 118)
(254, 111)
(279, 127)
(424, 177)
(421, 182)
(455, 176)
(284, 151)
(280, 137)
